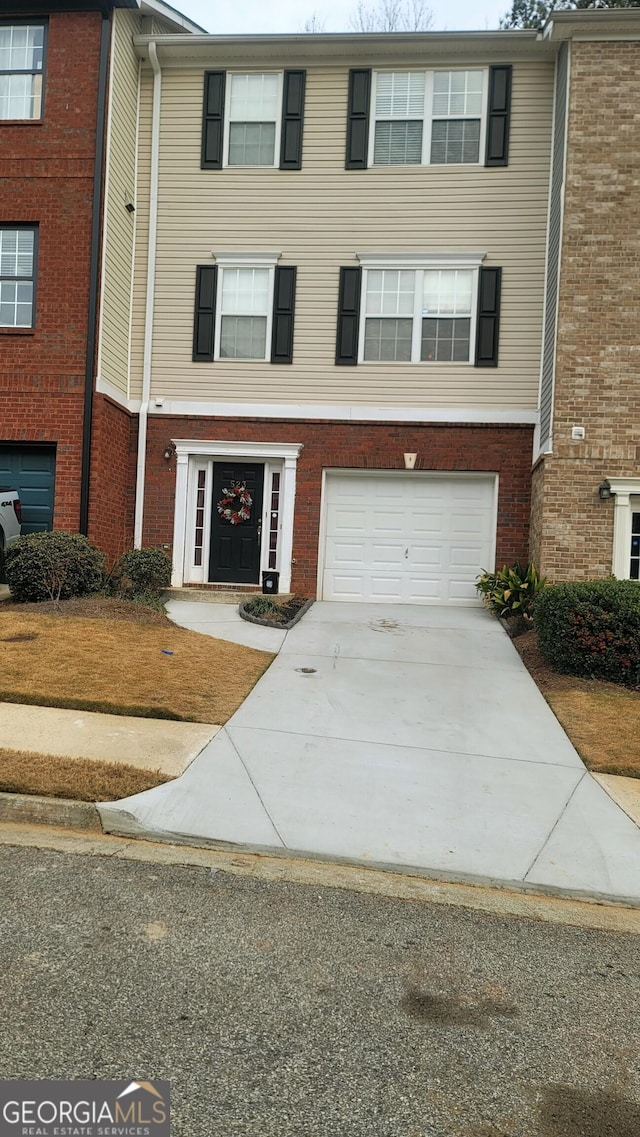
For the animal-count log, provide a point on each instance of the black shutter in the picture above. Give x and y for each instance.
(292, 119)
(348, 316)
(205, 313)
(213, 120)
(284, 298)
(498, 116)
(358, 119)
(488, 317)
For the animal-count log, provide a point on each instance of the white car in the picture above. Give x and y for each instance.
(10, 522)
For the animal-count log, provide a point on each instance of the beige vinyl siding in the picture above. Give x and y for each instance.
(319, 218)
(120, 186)
(143, 181)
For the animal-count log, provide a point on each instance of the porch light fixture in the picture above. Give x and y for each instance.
(604, 490)
(169, 451)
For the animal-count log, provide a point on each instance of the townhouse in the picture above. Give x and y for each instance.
(57, 61)
(338, 285)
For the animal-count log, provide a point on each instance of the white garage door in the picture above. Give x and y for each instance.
(413, 539)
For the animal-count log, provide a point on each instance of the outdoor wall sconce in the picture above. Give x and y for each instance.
(410, 461)
(169, 451)
(604, 490)
(129, 206)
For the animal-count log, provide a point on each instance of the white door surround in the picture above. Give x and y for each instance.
(419, 537)
(194, 465)
(623, 489)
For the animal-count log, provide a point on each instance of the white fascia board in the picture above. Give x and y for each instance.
(420, 260)
(302, 411)
(104, 387)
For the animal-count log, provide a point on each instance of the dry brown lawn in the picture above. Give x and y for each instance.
(120, 665)
(24, 772)
(601, 719)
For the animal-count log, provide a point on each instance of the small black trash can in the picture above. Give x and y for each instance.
(270, 581)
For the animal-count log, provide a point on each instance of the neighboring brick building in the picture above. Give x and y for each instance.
(591, 385)
(54, 85)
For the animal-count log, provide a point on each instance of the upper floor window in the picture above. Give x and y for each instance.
(245, 306)
(21, 65)
(430, 308)
(244, 309)
(422, 315)
(427, 117)
(253, 118)
(255, 103)
(17, 272)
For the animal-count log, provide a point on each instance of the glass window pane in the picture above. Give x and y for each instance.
(455, 140)
(447, 292)
(252, 143)
(254, 98)
(243, 337)
(457, 93)
(245, 291)
(397, 143)
(390, 292)
(388, 340)
(400, 93)
(445, 341)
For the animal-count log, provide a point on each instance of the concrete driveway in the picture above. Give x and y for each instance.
(399, 735)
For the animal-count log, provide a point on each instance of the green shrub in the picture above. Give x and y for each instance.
(261, 606)
(144, 570)
(511, 591)
(53, 566)
(592, 629)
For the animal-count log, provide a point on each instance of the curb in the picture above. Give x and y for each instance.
(271, 623)
(32, 810)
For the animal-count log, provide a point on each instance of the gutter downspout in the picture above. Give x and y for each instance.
(151, 281)
(94, 270)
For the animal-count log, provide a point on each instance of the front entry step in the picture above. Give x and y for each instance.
(212, 593)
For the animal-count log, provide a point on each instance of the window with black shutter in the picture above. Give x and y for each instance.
(205, 313)
(348, 316)
(213, 120)
(489, 288)
(499, 111)
(284, 295)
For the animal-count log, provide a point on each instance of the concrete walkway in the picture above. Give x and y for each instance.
(399, 735)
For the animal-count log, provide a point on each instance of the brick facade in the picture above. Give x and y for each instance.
(373, 446)
(113, 477)
(598, 346)
(47, 179)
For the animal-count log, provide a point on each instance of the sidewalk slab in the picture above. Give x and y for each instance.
(594, 846)
(223, 622)
(148, 744)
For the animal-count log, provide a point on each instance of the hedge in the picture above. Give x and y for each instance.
(53, 566)
(591, 629)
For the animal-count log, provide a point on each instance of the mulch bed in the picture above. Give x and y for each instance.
(95, 607)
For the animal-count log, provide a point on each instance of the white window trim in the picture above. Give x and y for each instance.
(195, 454)
(419, 264)
(246, 260)
(227, 121)
(623, 489)
(427, 119)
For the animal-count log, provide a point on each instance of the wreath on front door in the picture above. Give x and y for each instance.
(235, 504)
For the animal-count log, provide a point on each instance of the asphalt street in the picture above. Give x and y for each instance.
(278, 1009)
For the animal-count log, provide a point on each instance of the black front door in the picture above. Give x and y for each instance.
(235, 547)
